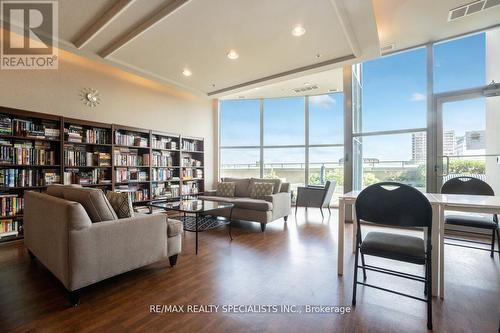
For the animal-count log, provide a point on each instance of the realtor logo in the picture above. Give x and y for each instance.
(29, 35)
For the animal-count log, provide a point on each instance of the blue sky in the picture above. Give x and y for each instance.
(394, 98)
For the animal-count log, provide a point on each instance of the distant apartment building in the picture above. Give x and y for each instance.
(472, 143)
(419, 145)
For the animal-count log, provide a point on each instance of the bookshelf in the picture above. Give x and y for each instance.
(131, 163)
(38, 149)
(30, 159)
(165, 166)
(87, 153)
(192, 166)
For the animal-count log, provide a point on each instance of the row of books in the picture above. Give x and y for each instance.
(130, 139)
(9, 227)
(130, 175)
(192, 173)
(130, 157)
(87, 177)
(136, 193)
(23, 178)
(25, 154)
(5, 124)
(30, 128)
(163, 174)
(188, 161)
(162, 159)
(165, 190)
(11, 205)
(190, 188)
(79, 156)
(192, 145)
(163, 143)
(78, 134)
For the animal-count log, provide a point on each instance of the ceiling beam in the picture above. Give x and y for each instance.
(283, 74)
(159, 14)
(100, 23)
(345, 23)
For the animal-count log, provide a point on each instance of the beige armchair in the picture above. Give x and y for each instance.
(60, 234)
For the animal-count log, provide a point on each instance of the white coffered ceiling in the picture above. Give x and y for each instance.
(161, 38)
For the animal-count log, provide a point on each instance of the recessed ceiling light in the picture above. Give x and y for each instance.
(186, 72)
(307, 83)
(298, 31)
(233, 55)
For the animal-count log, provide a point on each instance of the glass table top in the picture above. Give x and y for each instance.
(192, 206)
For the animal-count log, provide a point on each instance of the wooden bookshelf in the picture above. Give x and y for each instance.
(79, 158)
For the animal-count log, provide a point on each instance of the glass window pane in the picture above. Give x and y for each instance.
(326, 119)
(240, 163)
(240, 123)
(327, 163)
(460, 63)
(398, 157)
(284, 121)
(394, 92)
(287, 164)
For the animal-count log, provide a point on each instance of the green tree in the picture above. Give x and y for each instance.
(467, 167)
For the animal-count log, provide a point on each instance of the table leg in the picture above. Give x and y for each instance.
(441, 252)
(354, 229)
(436, 209)
(230, 223)
(196, 231)
(340, 238)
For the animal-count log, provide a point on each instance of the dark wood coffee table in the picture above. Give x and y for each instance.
(196, 214)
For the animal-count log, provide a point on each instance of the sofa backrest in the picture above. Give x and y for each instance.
(243, 185)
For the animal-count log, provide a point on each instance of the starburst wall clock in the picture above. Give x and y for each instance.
(90, 97)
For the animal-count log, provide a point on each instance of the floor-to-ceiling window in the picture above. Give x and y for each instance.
(297, 139)
(389, 129)
(240, 139)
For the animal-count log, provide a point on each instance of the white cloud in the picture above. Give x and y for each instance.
(417, 97)
(322, 101)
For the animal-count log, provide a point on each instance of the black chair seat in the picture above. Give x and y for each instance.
(476, 221)
(392, 246)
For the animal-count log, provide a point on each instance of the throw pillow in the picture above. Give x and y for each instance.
(121, 203)
(225, 189)
(260, 190)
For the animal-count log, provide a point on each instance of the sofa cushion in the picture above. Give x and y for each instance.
(56, 190)
(93, 200)
(174, 227)
(260, 190)
(241, 188)
(253, 204)
(215, 198)
(225, 189)
(121, 203)
(275, 181)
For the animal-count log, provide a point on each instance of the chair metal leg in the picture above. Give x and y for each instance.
(322, 215)
(296, 209)
(363, 264)
(329, 210)
(498, 242)
(355, 283)
(429, 292)
(492, 243)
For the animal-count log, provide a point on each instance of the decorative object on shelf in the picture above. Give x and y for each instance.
(90, 97)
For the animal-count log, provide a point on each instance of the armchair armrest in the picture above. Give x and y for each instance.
(282, 203)
(113, 247)
(210, 193)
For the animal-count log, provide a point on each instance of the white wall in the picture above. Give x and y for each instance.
(126, 99)
(493, 110)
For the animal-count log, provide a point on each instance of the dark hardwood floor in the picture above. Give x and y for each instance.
(292, 264)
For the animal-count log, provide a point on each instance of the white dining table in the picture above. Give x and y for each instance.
(439, 203)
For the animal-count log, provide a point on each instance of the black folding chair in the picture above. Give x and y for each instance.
(471, 186)
(396, 205)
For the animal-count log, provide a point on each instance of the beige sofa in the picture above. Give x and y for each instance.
(61, 235)
(263, 210)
